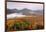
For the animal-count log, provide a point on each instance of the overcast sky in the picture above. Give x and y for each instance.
(32, 6)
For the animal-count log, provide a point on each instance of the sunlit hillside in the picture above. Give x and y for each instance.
(35, 22)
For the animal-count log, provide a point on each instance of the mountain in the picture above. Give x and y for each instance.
(39, 12)
(10, 11)
(25, 11)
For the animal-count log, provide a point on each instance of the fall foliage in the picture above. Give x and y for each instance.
(24, 23)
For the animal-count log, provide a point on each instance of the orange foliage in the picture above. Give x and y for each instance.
(38, 20)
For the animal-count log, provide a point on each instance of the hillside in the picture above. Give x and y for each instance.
(25, 11)
(34, 22)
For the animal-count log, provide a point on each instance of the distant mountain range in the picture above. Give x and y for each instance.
(25, 11)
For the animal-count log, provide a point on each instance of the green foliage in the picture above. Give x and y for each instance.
(22, 25)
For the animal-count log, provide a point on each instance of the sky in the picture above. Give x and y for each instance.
(19, 6)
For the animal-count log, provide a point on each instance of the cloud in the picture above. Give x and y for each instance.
(13, 5)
